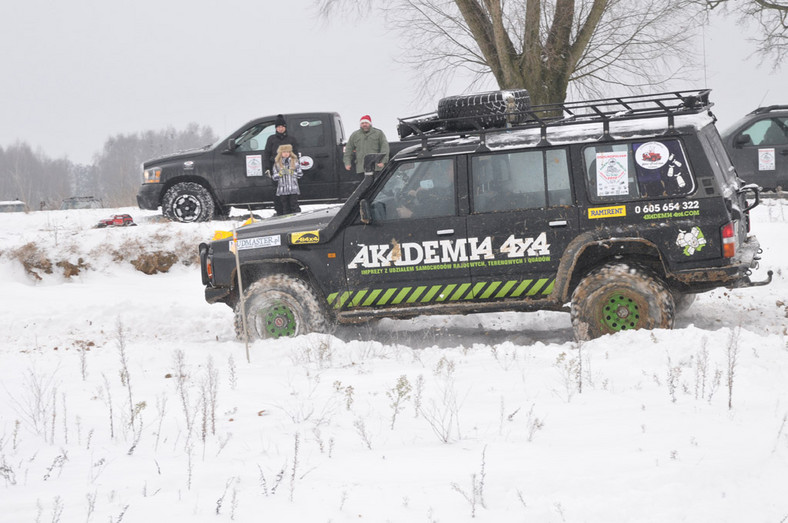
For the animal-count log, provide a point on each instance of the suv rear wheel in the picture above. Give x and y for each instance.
(618, 297)
(280, 306)
(187, 202)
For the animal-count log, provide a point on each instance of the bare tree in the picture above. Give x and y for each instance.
(118, 164)
(544, 46)
(771, 22)
(33, 177)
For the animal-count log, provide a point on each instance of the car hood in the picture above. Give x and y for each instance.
(302, 222)
(180, 155)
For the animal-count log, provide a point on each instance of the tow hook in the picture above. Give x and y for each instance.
(767, 281)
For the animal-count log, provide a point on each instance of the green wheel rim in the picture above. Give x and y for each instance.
(620, 312)
(279, 321)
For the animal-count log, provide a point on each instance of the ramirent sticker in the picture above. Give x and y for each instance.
(607, 212)
(258, 243)
(301, 238)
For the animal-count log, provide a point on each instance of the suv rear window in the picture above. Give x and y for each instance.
(637, 170)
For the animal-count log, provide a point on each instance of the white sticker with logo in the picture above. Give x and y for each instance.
(766, 159)
(652, 155)
(306, 162)
(612, 173)
(259, 242)
(254, 165)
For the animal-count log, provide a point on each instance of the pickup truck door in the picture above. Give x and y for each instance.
(415, 251)
(240, 173)
(760, 152)
(318, 149)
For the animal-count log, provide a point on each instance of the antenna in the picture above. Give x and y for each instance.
(760, 104)
(705, 77)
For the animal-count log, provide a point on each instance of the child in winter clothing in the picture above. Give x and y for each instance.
(287, 171)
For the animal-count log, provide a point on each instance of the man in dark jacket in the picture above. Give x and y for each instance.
(272, 145)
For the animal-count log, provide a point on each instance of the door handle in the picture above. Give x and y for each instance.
(322, 155)
(558, 223)
(784, 152)
(445, 232)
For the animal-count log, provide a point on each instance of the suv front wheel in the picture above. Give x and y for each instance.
(618, 297)
(187, 202)
(279, 306)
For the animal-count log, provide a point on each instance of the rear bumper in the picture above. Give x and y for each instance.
(149, 196)
(735, 275)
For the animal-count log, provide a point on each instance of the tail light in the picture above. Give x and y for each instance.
(729, 240)
(209, 268)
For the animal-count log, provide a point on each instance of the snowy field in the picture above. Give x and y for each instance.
(125, 397)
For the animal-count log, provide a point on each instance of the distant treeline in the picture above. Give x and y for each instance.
(114, 176)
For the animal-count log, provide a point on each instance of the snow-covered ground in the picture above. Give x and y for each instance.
(124, 396)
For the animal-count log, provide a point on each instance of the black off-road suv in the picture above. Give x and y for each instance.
(624, 208)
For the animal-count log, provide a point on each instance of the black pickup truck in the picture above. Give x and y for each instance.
(201, 184)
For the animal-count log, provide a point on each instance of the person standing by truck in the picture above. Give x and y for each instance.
(287, 171)
(365, 140)
(272, 145)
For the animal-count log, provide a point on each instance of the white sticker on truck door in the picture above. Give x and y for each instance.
(254, 165)
(766, 159)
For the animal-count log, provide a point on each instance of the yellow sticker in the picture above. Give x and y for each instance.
(301, 238)
(221, 235)
(607, 212)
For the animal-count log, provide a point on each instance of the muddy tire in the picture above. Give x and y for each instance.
(188, 202)
(619, 297)
(487, 109)
(280, 306)
(683, 301)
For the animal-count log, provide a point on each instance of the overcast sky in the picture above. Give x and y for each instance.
(74, 73)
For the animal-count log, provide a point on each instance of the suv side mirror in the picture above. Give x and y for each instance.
(364, 212)
(741, 140)
(230, 145)
(371, 160)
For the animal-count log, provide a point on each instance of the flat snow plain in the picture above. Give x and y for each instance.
(126, 397)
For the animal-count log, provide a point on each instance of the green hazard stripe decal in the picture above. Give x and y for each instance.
(453, 292)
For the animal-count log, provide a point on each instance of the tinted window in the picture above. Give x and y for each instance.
(309, 133)
(770, 131)
(520, 180)
(628, 171)
(254, 138)
(421, 189)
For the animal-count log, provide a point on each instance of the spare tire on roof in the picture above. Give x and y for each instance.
(485, 110)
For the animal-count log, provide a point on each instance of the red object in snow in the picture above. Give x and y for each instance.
(652, 157)
(118, 220)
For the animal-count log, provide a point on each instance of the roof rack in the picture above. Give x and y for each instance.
(769, 108)
(429, 126)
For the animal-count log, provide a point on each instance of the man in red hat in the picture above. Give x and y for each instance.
(364, 141)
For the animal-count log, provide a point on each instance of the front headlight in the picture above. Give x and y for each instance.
(151, 175)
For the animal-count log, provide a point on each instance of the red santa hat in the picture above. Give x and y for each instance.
(366, 118)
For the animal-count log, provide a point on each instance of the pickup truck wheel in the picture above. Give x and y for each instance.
(487, 109)
(187, 202)
(618, 297)
(280, 306)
